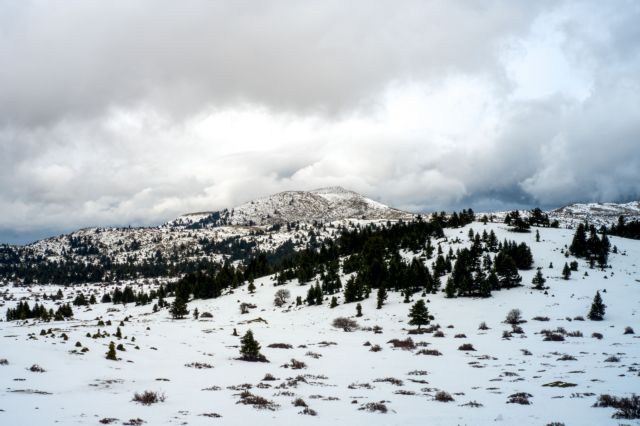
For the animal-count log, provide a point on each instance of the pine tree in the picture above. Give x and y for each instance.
(381, 296)
(118, 333)
(450, 288)
(196, 313)
(250, 348)
(419, 314)
(538, 280)
(318, 294)
(251, 287)
(358, 310)
(111, 354)
(179, 307)
(537, 236)
(334, 302)
(566, 271)
(596, 313)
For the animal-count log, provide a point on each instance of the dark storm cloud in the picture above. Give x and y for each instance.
(134, 112)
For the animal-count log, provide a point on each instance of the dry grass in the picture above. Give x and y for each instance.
(148, 397)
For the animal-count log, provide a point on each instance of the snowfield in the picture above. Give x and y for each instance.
(342, 374)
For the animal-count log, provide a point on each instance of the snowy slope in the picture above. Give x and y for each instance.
(340, 378)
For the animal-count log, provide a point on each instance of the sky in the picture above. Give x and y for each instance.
(134, 112)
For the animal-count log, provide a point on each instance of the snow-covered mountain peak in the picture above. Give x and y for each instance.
(322, 205)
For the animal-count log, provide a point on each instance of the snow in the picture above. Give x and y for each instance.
(80, 393)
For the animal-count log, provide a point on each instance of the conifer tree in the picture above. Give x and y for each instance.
(358, 310)
(334, 302)
(111, 353)
(419, 314)
(538, 280)
(179, 307)
(596, 313)
(450, 288)
(381, 296)
(250, 348)
(251, 287)
(196, 313)
(566, 271)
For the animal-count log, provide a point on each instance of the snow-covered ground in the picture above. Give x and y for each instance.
(341, 377)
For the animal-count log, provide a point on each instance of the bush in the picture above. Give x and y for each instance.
(3, 361)
(299, 402)
(612, 358)
(521, 398)
(346, 324)
(514, 317)
(247, 398)
(438, 333)
(628, 330)
(35, 368)
(148, 397)
(206, 315)
(483, 326)
(406, 344)
(443, 396)
(628, 408)
(374, 406)
(269, 378)
(375, 348)
(433, 352)
(280, 346)
(598, 336)
(281, 297)
(466, 347)
(541, 319)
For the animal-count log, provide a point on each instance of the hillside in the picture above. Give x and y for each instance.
(356, 377)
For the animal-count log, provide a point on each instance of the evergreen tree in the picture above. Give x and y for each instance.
(596, 313)
(318, 294)
(196, 313)
(419, 314)
(111, 353)
(381, 296)
(450, 288)
(251, 287)
(178, 308)
(579, 243)
(250, 348)
(538, 280)
(358, 310)
(334, 302)
(537, 236)
(566, 271)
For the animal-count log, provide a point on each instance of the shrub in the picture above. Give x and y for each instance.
(553, 337)
(309, 412)
(391, 380)
(466, 347)
(206, 315)
(598, 336)
(628, 408)
(374, 406)
(281, 297)
(483, 326)
(567, 357)
(514, 317)
(247, 398)
(35, 368)
(280, 346)
(148, 397)
(268, 378)
(443, 396)
(406, 344)
(295, 364)
(375, 348)
(521, 398)
(438, 333)
(460, 336)
(199, 365)
(433, 352)
(541, 319)
(346, 324)
(3, 361)
(299, 402)
(612, 358)
(628, 330)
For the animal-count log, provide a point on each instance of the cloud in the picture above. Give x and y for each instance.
(133, 113)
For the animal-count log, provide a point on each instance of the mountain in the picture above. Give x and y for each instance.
(320, 205)
(596, 213)
(280, 223)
